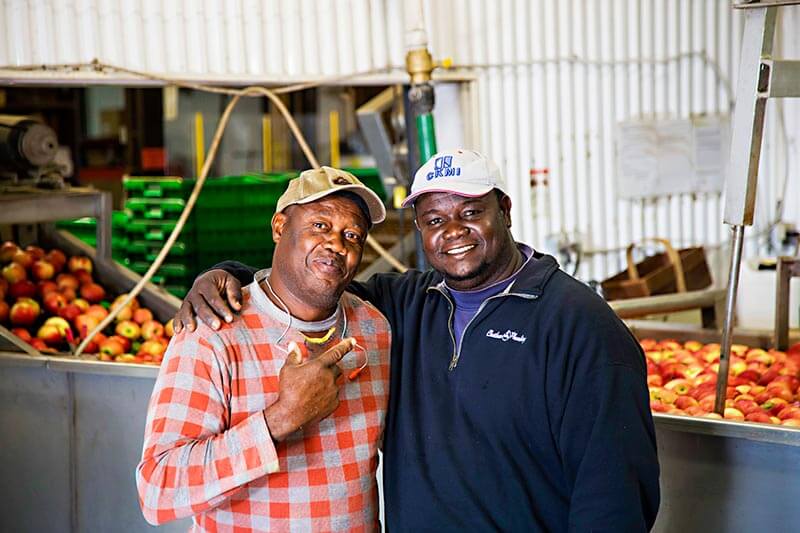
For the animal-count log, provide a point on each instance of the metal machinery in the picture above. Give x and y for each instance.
(27, 152)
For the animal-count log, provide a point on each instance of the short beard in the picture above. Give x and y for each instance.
(479, 271)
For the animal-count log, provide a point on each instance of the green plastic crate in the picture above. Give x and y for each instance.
(158, 230)
(155, 209)
(157, 187)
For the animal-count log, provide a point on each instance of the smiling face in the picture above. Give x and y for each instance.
(467, 239)
(318, 250)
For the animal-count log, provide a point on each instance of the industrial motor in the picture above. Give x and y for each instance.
(26, 147)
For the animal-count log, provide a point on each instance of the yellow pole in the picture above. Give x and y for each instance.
(266, 143)
(333, 119)
(199, 143)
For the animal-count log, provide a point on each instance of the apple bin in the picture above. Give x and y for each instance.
(719, 474)
(75, 424)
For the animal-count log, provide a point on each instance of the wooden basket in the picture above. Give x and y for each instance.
(667, 272)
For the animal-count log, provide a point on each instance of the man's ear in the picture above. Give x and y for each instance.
(279, 221)
(505, 207)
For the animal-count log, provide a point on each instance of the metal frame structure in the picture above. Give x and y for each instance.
(761, 76)
(787, 268)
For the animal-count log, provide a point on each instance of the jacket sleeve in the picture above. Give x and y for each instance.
(240, 271)
(606, 437)
(191, 460)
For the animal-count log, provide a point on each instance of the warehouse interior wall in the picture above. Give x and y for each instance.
(552, 82)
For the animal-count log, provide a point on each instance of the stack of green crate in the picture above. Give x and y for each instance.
(85, 229)
(229, 221)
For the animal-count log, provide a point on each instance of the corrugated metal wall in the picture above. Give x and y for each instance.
(554, 77)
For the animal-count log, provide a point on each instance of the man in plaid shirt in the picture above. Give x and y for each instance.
(273, 422)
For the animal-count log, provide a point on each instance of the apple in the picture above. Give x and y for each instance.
(747, 406)
(93, 346)
(693, 346)
(791, 422)
(168, 328)
(67, 280)
(79, 262)
(70, 312)
(125, 341)
(731, 413)
(98, 311)
(41, 269)
(142, 315)
(791, 380)
(670, 371)
(151, 329)
(153, 348)
(69, 294)
(46, 286)
(85, 323)
(35, 251)
(82, 304)
(648, 344)
(42, 346)
(14, 272)
(92, 292)
(773, 406)
(127, 312)
(50, 335)
(128, 358)
(789, 411)
(112, 346)
(57, 258)
(685, 401)
(54, 301)
(128, 329)
(658, 406)
(653, 380)
(7, 251)
(23, 258)
(750, 375)
(4, 309)
(23, 334)
(83, 276)
(24, 312)
(23, 288)
(678, 386)
(758, 416)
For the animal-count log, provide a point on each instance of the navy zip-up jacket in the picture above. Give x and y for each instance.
(540, 423)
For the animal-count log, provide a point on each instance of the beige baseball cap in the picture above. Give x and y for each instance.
(317, 183)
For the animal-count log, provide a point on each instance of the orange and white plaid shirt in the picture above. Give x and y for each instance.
(207, 449)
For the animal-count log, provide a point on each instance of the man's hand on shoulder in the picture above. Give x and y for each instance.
(215, 295)
(309, 390)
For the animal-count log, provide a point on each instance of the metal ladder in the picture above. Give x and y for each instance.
(760, 77)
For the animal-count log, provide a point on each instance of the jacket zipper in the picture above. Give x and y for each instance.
(456, 348)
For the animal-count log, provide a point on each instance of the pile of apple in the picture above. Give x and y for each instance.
(52, 302)
(762, 384)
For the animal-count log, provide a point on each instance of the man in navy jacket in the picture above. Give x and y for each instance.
(518, 399)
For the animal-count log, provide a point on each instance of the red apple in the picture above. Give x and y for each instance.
(92, 292)
(773, 406)
(126, 342)
(23, 334)
(93, 346)
(128, 329)
(678, 386)
(23, 258)
(7, 251)
(142, 315)
(24, 312)
(3, 311)
(685, 401)
(747, 406)
(98, 311)
(67, 280)
(153, 348)
(69, 294)
(46, 286)
(83, 276)
(112, 346)
(79, 262)
(85, 323)
(789, 412)
(127, 312)
(692, 346)
(35, 251)
(14, 272)
(54, 301)
(758, 416)
(40, 345)
(70, 312)
(653, 380)
(56, 258)
(41, 269)
(82, 304)
(23, 288)
(168, 328)
(151, 329)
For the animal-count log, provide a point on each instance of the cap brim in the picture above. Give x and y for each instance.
(377, 211)
(463, 189)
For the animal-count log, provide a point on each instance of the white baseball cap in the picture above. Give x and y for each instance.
(461, 172)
